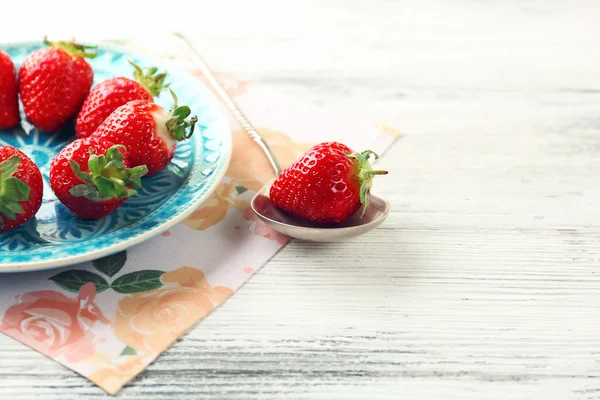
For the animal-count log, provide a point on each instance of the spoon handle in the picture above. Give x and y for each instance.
(235, 111)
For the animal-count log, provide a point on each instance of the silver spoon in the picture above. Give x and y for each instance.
(377, 211)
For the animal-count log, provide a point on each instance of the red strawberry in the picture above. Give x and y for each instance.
(327, 184)
(9, 97)
(111, 93)
(54, 82)
(148, 131)
(92, 178)
(21, 188)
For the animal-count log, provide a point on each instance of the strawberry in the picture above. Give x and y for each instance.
(327, 184)
(92, 178)
(149, 133)
(9, 97)
(54, 82)
(111, 93)
(21, 188)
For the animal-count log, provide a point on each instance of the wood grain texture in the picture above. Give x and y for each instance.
(484, 282)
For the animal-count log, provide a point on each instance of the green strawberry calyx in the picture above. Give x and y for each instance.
(12, 189)
(153, 81)
(177, 124)
(74, 48)
(108, 178)
(365, 175)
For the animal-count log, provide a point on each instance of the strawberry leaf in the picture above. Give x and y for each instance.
(94, 165)
(108, 177)
(82, 190)
(12, 190)
(7, 212)
(85, 177)
(365, 175)
(16, 190)
(105, 186)
(15, 207)
(177, 124)
(22, 188)
(135, 175)
(152, 81)
(74, 48)
(182, 112)
(9, 166)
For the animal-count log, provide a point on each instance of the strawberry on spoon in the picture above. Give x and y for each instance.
(328, 184)
(262, 205)
(112, 93)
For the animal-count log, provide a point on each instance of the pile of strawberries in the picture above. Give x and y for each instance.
(122, 135)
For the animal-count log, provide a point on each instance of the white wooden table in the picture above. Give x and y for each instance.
(485, 281)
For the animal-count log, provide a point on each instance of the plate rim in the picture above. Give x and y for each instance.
(215, 179)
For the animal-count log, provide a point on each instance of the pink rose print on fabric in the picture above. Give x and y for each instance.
(54, 324)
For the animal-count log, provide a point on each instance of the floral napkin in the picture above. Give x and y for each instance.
(109, 319)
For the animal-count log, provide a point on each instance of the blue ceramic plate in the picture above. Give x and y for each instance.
(56, 237)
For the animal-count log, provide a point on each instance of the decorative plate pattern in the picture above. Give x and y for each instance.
(56, 237)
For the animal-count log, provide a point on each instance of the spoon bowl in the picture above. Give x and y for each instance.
(300, 228)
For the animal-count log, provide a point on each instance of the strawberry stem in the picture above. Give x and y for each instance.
(365, 174)
(12, 189)
(107, 177)
(74, 48)
(151, 80)
(177, 124)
